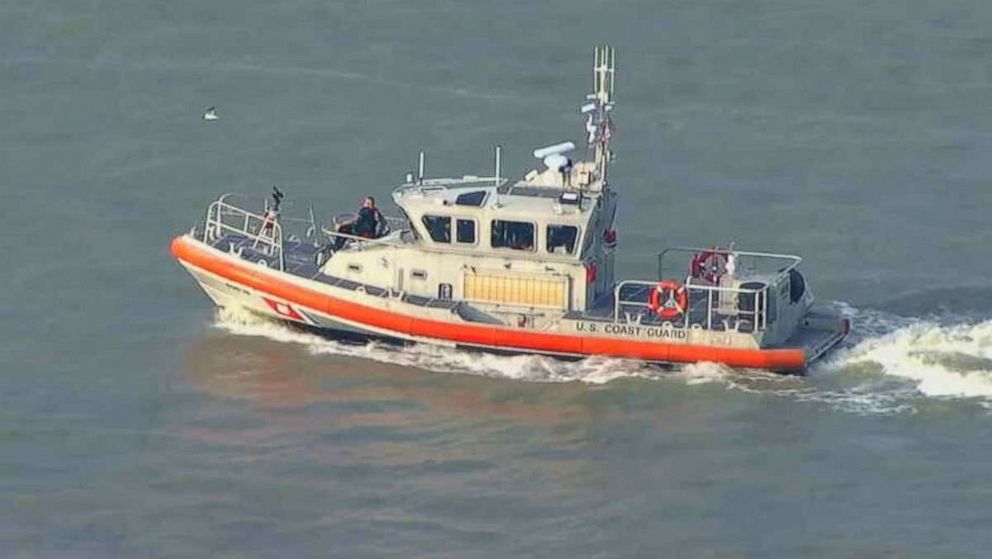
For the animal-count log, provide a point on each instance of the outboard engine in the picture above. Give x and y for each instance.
(797, 286)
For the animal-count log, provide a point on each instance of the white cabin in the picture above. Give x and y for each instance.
(542, 244)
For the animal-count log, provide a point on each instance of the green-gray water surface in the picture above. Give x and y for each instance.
(136, 421)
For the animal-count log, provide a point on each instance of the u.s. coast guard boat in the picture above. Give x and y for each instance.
(526, 266)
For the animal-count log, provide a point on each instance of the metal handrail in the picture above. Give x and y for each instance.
(442, 183)
(794, 261)
(760, 319)
(214, 224)
(369, 240)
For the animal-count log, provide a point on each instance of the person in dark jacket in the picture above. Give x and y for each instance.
(366, 223)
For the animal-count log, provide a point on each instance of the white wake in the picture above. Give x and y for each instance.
(890, 363)
(940, 360)
(535, 368)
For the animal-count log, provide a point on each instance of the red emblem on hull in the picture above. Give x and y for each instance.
(285, 310)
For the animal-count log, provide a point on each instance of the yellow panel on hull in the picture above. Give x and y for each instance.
(517, 290)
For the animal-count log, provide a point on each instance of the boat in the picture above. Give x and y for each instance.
(523, 266)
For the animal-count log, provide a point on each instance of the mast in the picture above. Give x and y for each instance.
(599, 125)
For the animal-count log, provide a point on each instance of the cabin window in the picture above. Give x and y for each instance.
(517, 235)
(438, 227)
(418, 274)
(471, 198)
(409, 225)
(562, 239)
(465, 231)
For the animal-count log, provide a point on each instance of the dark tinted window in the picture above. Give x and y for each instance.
(465, 232)
(517, 235)
(561, 239)
(438, 227)
(471, 198)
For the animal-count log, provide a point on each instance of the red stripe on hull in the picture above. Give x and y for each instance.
(195, 253)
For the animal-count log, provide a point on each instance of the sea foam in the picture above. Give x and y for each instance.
(888, 364)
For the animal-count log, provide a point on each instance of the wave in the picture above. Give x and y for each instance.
(890, 363)
(534, 368)
(939, 359)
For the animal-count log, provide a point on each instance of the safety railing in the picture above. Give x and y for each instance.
(394, 238)
(427, 185)
(747, 262)
(706, 305)
(263, 234)
(266, 235)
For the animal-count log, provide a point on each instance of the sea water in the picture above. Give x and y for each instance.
(138, 421)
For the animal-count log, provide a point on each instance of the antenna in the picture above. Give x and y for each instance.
(599, 125)
(499, 164)
(603, 74)
(420, 169)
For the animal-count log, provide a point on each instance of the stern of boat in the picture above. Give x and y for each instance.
(819, 331)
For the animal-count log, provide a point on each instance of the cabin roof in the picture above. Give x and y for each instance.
(527, 203)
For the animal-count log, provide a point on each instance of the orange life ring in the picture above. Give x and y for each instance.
(709, 265)
(669, 299)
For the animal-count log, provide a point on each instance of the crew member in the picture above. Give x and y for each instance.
(366, 223)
